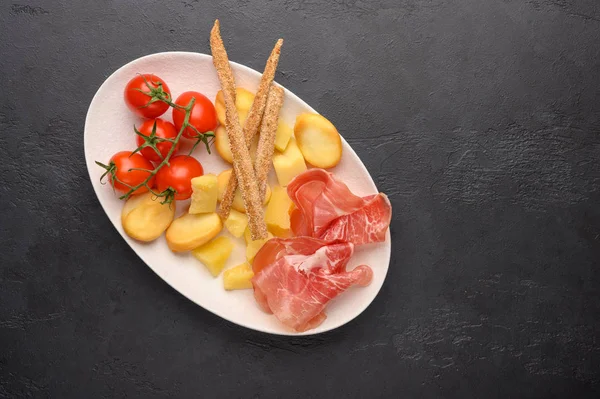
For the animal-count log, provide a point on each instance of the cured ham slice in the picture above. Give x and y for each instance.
(327, 209)
(295, 278)
(366, 225)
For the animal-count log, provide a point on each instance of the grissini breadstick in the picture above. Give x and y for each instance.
(242, 163)
(260, 100)
(266, 143)
(221, 61)
(253, 121)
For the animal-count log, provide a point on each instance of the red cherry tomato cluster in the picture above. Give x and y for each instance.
(149, 97)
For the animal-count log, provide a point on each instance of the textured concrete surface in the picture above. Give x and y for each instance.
(480, 119)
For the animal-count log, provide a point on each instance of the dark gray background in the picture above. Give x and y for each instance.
(479, 118)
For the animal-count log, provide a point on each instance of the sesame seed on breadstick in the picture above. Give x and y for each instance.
(242, 162)
(242, 165)
(221, 60)
(266, 142)
(221, 63)
(253, 121)
(260, 100)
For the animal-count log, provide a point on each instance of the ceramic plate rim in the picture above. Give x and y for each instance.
(288, 93)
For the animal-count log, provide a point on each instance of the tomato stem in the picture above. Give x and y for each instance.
(202, 138)
(149, 141)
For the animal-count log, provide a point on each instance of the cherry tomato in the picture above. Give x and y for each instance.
(138, 102)
(121, 163)
(164, 130)
(178, 175)
(203, 116)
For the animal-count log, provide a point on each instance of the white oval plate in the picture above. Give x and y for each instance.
(109, 129)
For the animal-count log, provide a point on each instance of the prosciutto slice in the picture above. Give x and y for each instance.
(295, 278)
(327, 209)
